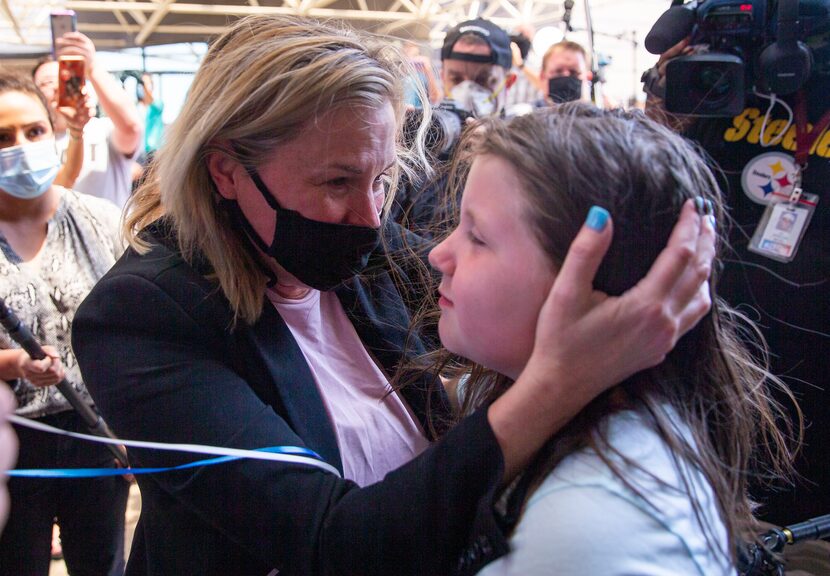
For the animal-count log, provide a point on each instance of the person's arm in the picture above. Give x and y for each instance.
(127, 131)
(165, 376)
(76, 120)
(518, 62)
(8, 447)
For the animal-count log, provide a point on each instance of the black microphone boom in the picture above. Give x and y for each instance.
(673, 26)
(566, 15)
(94, 422)
(813, 529)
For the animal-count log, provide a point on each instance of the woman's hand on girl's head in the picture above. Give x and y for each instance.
(586, 341)
(595, 341)
(44, 372)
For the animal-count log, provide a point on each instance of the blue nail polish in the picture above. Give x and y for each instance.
(700, 205)
(597, 218)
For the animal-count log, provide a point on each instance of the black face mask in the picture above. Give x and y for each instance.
(564, 89)
(319, 254)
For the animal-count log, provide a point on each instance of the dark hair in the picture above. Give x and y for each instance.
(569, 158)
(15, 81)
(41, 61)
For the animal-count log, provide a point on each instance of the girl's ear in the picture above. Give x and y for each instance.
(225, 172)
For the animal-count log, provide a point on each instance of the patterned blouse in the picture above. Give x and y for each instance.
(82, 243)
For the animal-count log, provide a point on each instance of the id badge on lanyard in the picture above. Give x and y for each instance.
(784, 222)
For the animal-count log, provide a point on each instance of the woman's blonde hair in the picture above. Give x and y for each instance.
(260, 83)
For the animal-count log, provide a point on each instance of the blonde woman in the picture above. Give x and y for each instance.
(259, 306)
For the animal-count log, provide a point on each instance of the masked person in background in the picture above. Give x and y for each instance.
(566, 75)
(476, 58)
(475, 63)
(55, 244)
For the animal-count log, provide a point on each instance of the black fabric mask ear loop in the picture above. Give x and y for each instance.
(260, 185)
(250, 237)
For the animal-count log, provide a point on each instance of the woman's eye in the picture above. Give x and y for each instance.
(338, 182)
(36, 132)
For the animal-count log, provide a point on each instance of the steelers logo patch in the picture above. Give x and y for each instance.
(769, 177)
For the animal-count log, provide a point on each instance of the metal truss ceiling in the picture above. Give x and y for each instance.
(117, 24)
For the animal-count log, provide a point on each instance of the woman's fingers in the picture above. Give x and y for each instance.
(692, 289)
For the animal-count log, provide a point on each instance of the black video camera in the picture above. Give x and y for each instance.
(445, 128)
(739, 45)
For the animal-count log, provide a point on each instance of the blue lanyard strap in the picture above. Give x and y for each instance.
(101, 472)
(285, 454)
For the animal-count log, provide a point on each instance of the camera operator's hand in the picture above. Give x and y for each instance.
(655, 87)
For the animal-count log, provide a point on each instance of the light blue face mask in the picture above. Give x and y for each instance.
(28, 171)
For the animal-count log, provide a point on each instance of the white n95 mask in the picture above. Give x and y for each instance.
(474, 98)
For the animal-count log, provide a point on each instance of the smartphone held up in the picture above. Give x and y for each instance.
(71, 79)
(71, 69)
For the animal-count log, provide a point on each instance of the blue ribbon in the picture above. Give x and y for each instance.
(103, 472)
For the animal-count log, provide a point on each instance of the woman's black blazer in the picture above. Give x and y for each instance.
(155, 346)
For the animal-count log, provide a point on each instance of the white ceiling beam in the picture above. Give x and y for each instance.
(409, 6)
(195, 29)
(511, 9)
(153, 22)
(15, 24)
(305, 6)
(137, 15)
(214, 9)
(198, 29)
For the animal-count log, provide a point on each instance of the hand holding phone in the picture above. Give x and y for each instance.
(71, 69)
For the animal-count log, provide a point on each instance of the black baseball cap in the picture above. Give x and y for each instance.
(496, 38)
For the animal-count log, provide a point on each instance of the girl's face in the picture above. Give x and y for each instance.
(23, 119)
(495, 275)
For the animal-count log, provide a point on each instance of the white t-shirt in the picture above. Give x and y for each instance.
(584, 521)
(375, 431)
(106, 172)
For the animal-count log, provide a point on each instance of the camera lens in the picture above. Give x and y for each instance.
(714, 81)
